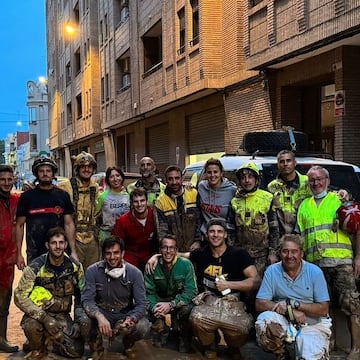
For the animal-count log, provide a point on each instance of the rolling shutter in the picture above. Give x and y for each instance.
(157, 140)
(206, 131)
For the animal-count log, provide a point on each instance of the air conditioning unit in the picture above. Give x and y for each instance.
(126, 80)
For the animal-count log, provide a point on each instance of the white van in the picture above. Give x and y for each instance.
(342, 175)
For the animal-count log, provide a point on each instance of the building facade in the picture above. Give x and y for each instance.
(180, 78)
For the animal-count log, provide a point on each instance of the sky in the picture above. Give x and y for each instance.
(23, 58)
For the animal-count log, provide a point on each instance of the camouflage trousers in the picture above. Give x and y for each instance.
(342, 288)
(229, 316)
(69, 343)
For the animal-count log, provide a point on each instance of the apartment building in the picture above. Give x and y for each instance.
(308, 53)
(174, 79)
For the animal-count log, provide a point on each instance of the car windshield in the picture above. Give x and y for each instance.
(341, 177)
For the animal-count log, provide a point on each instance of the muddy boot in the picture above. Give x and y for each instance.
(355, 338)
(5, 346)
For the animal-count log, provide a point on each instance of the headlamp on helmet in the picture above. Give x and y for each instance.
(84, 158)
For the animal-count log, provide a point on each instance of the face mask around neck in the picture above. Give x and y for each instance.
(115, 273)
(320, 195)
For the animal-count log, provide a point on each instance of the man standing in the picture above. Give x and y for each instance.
(84, 193)
(114, 298)
(294, 304)
(137, 229)
(177, 212)
(169, 291)
(329, 247)
(290, 188)
(148, 181)
(45, 294)
(256, 225)
(42, 208)
(8, 203)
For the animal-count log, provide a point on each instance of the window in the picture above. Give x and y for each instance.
(68, 73)
(77, 62)
(69, 114)
(105, 88)
(123, 72)
(33, 143)
(79, 106)
(124, 13)
(182, 34)
(77, 14)
(152, 42)
(101, 32)
(195, 22)
(32, 115)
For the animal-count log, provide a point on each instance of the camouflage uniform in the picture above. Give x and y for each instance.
(41, 312)
(86, 229)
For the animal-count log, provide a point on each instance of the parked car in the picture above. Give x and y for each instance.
(100, 179)
(342, 175)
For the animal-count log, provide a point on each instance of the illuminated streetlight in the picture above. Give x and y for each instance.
(42, 80)
(70, 29)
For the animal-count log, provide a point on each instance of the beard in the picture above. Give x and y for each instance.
(45, 182)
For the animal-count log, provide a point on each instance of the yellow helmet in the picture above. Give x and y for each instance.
(249, 166)
(39, 295)
(84, 158)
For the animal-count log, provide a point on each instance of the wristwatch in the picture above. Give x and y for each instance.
(296, 304)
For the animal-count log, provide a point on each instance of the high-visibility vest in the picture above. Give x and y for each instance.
(322, 238)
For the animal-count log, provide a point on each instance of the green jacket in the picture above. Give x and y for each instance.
(178, 284)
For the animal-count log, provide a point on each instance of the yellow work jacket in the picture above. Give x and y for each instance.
(318, 226)
(287, 201)
(251, 220)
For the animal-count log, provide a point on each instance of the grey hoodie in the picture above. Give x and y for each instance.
(215, 203)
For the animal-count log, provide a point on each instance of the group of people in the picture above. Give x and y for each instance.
(165, 257)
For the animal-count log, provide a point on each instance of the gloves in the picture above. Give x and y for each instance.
(200, 299)
(52, 326)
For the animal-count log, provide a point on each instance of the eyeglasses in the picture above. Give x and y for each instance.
(169, 248)
(320, 179)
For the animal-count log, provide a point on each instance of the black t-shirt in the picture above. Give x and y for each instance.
(231, 264)
(43, 209)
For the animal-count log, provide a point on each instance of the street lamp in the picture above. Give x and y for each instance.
(70, 29)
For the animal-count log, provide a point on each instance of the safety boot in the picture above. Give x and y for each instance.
(5, 346)
(355, 338)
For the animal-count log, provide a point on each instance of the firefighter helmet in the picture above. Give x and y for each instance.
(249, 167)
(44, 161)
(84, 158)
(349, 216)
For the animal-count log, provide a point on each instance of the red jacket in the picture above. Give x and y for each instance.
(139, 240)
(7, 240)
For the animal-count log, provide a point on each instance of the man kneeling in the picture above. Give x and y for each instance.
(169, 290)
(114, 298)
(44, 294)
(293, 299)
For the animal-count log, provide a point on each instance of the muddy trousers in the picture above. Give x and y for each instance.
(311, 341)
(218, 313)
(69, 344)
